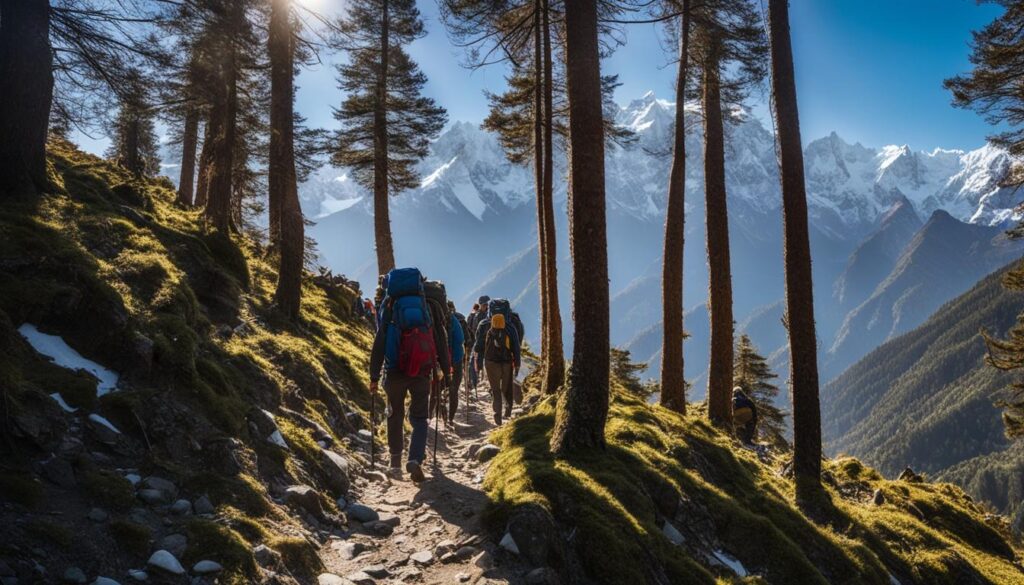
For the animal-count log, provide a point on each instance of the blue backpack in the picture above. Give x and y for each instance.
(409, 345)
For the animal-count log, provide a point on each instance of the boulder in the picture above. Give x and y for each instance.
(487, 452)
(376, 571)
(336, 468)
(152, 497)
(138, 575)
(878, 497)
(166, 562)
(672, 533)
(264, 425)
(483, 561)
(908, 475)
(105, 581)
(423, 557)
(304, 498)
(331, 579)
(362, 513)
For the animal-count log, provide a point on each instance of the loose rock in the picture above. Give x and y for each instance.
(105, 581)
(165, 561)
(487, 452)
(207, 567)
(266, 556)
(202, 505)
(181, 507)
(304, 498)
(331, 579)
(59, 472)
(97, 515)
(74, 575)
(336, 468)
(424, 557)
(362, 513)
(138, 574)
(878, 498)
(376, 571)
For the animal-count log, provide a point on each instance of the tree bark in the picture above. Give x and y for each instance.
(673, 382)
(717, 219)
(554, 373)
(282, 160)
(188, 157)
(205, 159)
(583, 410)
(133, 158)
(803, 373)
(381, 212)
(26, 66)
(224, 110)
(543, 288)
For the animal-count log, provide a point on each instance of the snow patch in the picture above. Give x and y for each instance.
(60, 402)
(729, 561)
(100, 420)
(62, 354)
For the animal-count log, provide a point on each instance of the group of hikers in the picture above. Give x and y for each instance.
(426, 349)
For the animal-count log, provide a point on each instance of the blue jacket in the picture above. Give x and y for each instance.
(456, 341)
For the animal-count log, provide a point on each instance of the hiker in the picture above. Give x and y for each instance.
(437, 300)
(744, 416)
(405, 347)
(479, 313)
(459, 347)
(497, 353)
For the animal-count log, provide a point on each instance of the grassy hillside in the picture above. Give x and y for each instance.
(925, 399)
(136, 284)
(672, 500)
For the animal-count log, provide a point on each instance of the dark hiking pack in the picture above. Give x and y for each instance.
(743, 409)
(498, 342)
(466, 335)
(409, 346)
(503, 307)
(437, 300)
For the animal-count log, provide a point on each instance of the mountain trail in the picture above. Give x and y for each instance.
(429, 533)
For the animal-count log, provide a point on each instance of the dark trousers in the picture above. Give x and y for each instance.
(396, 385)
(499, 376)
(453, 391)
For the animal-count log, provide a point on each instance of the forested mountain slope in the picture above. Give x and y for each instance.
(925, 399)
(672, 500)
(224, 415)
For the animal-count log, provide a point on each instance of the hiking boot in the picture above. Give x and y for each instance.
(395, 473)
(415, 471)
(497, 418)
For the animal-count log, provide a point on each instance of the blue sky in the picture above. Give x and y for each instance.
(871, 70)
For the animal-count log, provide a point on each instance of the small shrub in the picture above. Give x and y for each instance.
(51, 533)
(21, 489)
(213, 541)
(298, 555)
(109, 489)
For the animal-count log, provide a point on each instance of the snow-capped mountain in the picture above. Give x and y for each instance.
(472, 219)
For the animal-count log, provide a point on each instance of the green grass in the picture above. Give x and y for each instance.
(615, 501)
(209, 540)
(298, 555)
(108, 489)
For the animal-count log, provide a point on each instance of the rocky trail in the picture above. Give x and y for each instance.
(431, 533)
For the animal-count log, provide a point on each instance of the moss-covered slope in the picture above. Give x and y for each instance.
(665, 477)
(137, 284)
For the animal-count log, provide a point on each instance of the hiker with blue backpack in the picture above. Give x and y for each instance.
(405, 348)
(497, 353)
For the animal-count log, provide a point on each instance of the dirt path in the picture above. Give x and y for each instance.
(428, 533)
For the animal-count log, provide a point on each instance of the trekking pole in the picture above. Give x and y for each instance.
(373, 434)
(437, 411)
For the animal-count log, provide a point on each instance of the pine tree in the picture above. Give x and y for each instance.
(803, 355)
(752, 373)
(1008, 355)
(283, 191)
(673, 383)
(993, 89)
(583, 407)
(728, 44)
(135, 146)
(387, 124)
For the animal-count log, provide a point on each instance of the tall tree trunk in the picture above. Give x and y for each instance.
(282, 161)
(224, 110)
(188, 156)
(554, 373)
(673, 382)
(583, 409)
(803, 372)
(205, 160)
(717, 219)
(26, 66)
(381, 211)
(543, 288)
